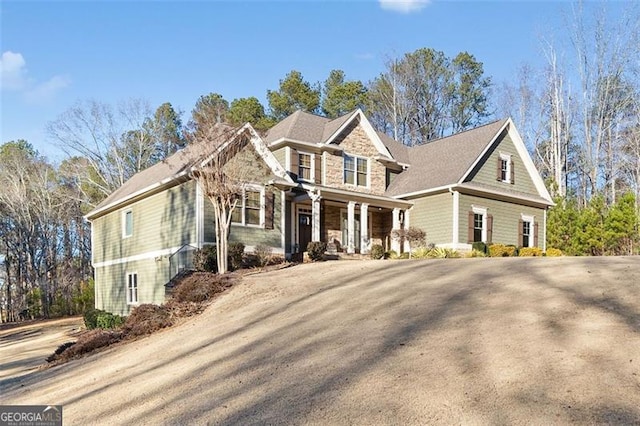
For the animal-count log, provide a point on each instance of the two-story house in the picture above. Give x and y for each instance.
(317, 179)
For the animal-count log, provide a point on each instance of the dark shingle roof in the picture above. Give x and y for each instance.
(166, 169)
(306, 127)
(441, 162)
(399, 151)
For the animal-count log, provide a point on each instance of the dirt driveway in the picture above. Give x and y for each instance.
(462, 341)
(24, 348)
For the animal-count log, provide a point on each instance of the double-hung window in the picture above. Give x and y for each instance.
(132, 288)
(305, 166)
(250, 208)
(478, 226)
(505, 169)
(355, 170)
(527, 231)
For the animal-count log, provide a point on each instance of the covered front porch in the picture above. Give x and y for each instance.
(348, 222)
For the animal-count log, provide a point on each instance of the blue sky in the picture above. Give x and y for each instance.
(56, 53)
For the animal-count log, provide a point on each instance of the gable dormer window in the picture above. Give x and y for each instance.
(506, 171)
(355, 170)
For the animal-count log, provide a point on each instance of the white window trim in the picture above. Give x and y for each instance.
(531, 220)
(241, 206)
(312, 172)
(124, 223)
(355, 171)
(483, 212)
(507, 158)
(129, 301)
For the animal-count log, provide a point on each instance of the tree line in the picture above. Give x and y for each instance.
(580, 119)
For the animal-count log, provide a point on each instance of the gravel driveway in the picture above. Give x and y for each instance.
(454, 341)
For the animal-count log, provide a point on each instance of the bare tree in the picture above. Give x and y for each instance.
(114, 143)
(221, 174)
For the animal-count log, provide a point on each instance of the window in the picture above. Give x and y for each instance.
(249, 209)
(527, 232)
(132, 288)
(127, 223)
(477, 227)
(480, 225)
(505, 169)
(305, 170)
(355, 170)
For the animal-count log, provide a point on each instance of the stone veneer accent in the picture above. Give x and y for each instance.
(354, 141)
(332, 233)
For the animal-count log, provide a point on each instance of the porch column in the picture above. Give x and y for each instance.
(315, 219)
(395, 244)
(407, 247)
(365, 245)
(351, 227)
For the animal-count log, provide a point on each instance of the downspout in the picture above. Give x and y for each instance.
(455, 237)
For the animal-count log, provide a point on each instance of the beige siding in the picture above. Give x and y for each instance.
(251, 236)
(281, 155)
(433, 214)
(163, 220)
(488, 172)
(355, 141)
(111, 295)
(505, 218)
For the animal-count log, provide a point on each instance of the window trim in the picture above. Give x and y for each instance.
(242, 207)
(137, 287)
(531, 221)
(506, 158)
(482, 211)
(124, 223)
(312, 168)
(355, 170)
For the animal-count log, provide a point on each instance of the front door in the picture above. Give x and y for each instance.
(304, 230)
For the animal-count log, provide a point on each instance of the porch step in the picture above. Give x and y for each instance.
(354, 256)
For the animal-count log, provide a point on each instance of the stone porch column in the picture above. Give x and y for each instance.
(315, 217)
(365, 238)
(407, 248)
(395, 244)
(351, 227)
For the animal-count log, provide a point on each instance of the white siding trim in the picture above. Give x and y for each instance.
(199, 215)
(455, 234)
(283, 220)
(287, 158)
(544, 232)
(142, 256)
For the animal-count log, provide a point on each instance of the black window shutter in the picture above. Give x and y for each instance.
(513, 173)
(520, 229)
(269, 210)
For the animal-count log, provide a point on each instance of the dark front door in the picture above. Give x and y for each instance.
(304, 231)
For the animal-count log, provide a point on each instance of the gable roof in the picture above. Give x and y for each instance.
(443, 161)
(178, 166)
(446, 162)
(310, 128)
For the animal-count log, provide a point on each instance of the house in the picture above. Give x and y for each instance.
(319, 179)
